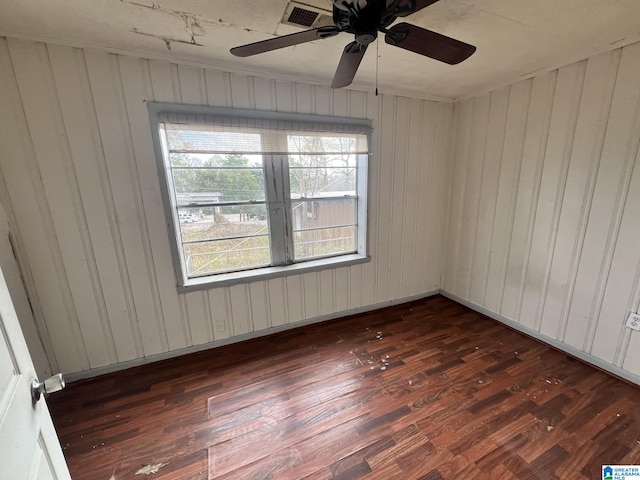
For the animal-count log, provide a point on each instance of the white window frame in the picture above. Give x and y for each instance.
(278, 190)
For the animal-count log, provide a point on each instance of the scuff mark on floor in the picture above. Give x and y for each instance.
(150, 469)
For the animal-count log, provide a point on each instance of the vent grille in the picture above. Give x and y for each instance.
(306, 16)
(303, 17)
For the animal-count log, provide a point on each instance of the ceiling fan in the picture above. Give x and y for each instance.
(364, 19)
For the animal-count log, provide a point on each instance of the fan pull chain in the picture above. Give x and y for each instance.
(377, 61)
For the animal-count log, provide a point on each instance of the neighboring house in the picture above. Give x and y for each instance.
(188, 215)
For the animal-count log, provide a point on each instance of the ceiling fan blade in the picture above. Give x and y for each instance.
(428, 43)
(348, 66)
(284, 41)
(404, 7)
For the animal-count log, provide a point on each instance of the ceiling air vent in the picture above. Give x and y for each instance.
(306, 16)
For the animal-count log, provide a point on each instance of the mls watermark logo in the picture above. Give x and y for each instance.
(620, 472)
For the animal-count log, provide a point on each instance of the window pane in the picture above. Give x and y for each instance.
(233, 178)
(216, 223)
(324, 242)
(312, 214)
(202, 140)
(226, 255)
(338, 147)
(322, 181)
(224, 181)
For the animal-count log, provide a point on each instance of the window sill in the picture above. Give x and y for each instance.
(226, 279)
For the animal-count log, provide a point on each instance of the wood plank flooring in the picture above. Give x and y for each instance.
(426, 390)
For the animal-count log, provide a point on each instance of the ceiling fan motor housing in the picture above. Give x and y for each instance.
(364, 20)
(365, 38)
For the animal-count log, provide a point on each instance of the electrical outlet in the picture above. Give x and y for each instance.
(633, 322)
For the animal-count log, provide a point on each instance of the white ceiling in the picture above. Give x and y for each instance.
(515, 38)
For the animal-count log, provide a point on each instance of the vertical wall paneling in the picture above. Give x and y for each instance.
(515, 126)
(165, 83)
(311, 294)
(528, 189)
(240, 309)
(304, 98)
(615, 306)
(563, 259)
(241, 91)
(323, 101)
(192, 85)
(220, 318)
(277, 289)
(259, 305)
(18, 277)
(473, 182)
(42, 111)
(265, 96)
(614, 289)
(285, 96)
(576, 200)
(412, 229)
(218, 88)
(493, 148)
(113, 121)
(199, 324)
(340, 105)
(383, 203)
(436, 158)
(84, 143)
(358, 104)
(295, 300)
(83, 188)
(327, 294)
(564, 115)
(356, 285)
(463, 115)
(617, 157)
(18, 174)
(396, 224)
(342, 297)
(425, 170)
(12, 274)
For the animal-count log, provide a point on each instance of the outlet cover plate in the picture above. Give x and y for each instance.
(633, 322)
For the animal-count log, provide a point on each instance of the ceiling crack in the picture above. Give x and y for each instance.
(169, 40)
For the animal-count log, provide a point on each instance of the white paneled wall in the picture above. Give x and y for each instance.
(544, 210)
(82, 194)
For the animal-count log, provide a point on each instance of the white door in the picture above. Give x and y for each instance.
(29, 446)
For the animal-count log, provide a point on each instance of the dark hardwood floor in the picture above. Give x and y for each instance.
(426, 390)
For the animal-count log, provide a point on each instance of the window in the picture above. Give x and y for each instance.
(252, 194)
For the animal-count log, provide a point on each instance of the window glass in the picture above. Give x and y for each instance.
(262, 190)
